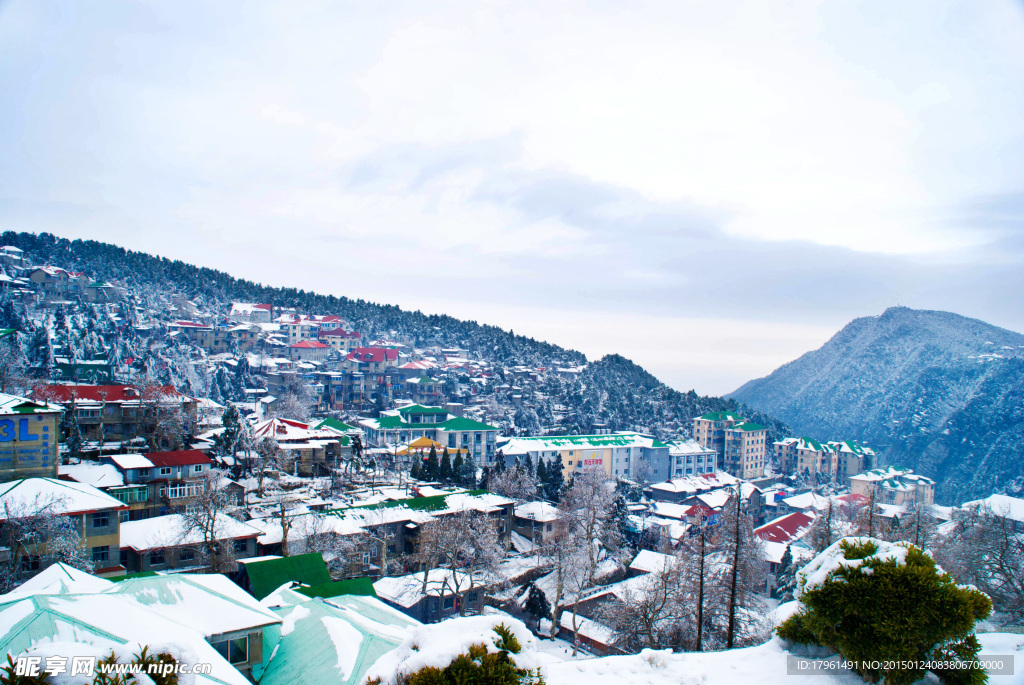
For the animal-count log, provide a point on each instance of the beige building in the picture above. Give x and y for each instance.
(741, 444)
(834, 461)
(29, 434)
(893, 485)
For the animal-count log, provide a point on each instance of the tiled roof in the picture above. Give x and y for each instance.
(178, 458)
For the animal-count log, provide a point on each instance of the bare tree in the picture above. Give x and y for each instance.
(37, 534)
(745, 570)
(517, 483)
(652, 610)
(205, 517)
(468, 543)
(984, 549)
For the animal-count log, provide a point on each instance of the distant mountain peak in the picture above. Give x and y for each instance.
(935, 390)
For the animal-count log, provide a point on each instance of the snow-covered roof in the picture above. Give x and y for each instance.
(131, 461)
(695, 484)
(807, 500)
(13, 404)
(524, 445)
(407, 590)
(1001, 505)
(172, 531)
(58, 496)
(96, 475)
(682, 448)
(651, 562)
(542, 512)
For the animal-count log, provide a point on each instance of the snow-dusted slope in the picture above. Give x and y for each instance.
(935, 391)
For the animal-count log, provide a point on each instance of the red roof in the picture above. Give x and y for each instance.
(310, 345)
(701, 510)
(340, 333)
(179, 458)
(98, 393)
(785, 529)
(268, 307)
(372, 354)
(189, 324)
(855, 499)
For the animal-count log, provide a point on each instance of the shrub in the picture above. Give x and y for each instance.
(873, 601)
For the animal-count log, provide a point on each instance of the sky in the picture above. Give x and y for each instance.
(710, 189)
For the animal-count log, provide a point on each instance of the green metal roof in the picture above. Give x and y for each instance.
(392, 421)
(354, 586)
(420, 409)
(432, 503)
(267, 576)
(335, 424)
(460, 423)
(330, 642)
(749, 426)
(137, 574)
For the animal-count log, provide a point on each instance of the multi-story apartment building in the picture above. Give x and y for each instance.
(741, 444)
(248, 312)
(339, 339)
(690, 458)
(626, 454)
(58, 283)
(832, 461)
(158, 483)
(122, 412)
(308, 350)
(29, 434)
(894, 485)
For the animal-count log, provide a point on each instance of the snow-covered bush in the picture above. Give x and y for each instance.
(490, 649)
(877, 603)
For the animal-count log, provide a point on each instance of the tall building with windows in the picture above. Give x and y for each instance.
(741, 444)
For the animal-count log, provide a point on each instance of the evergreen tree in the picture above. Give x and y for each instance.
(458, 470)
(785, 579)
(537, 604)
(555, 483)
(528, 464)
(432, 468)
(415, 471)
(542, 472)
(39, 353)
(619, 521)
(499, 463)
(484, 479)
(444, 472)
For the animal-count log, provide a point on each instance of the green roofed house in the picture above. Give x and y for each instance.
(262, 577)
(833, 461)
(327, 640)
(394, 429)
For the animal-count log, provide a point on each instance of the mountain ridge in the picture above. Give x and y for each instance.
(931, 390)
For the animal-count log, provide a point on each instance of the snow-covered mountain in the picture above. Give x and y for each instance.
(934, 391)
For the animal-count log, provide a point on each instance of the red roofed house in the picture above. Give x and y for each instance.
(787, 528)
(57, 282)
(121, 413)
(308, 350)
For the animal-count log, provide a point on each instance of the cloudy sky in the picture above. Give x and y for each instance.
(710, 189)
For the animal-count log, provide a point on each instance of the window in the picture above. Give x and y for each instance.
(165, 470)
(198, 468)
(235, 651)
(366, 558)
(448, 603)
(241, 545)
(101, 519)
(186, 555)
(30, 562)
(101, 553)
(156, 558)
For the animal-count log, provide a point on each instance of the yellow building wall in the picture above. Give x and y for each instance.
(28, 445)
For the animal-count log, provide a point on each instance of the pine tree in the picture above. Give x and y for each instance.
(432, 468)
(555, 483)
(484, 479)
(415, 471)
(444, 472)
(542, 472)
(785, 579)
(619, 520)
(537, 604)
(458, 471)
(499, 463)
(528, 464)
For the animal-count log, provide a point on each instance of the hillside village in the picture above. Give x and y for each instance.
(293, 476)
